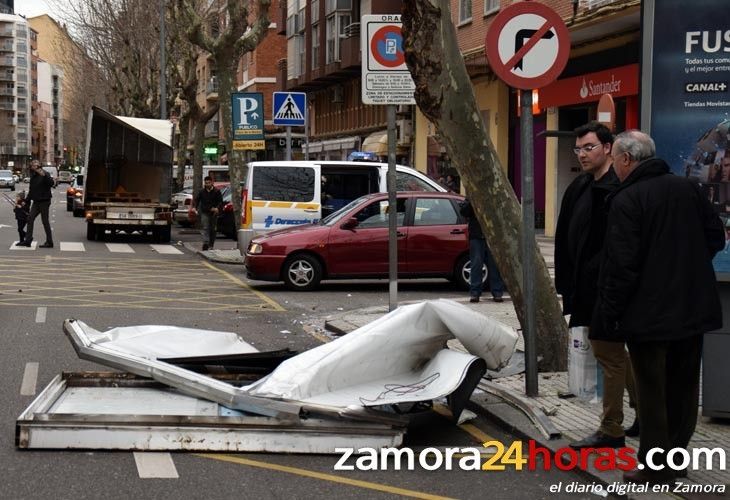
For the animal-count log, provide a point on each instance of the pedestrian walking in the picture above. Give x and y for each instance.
(207, 204)
(657, 291)
(478, 255)
(39, 194)
(579, 238)
(21, 214)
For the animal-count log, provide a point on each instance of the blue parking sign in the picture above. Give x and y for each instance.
(247, 115)
(290, 108)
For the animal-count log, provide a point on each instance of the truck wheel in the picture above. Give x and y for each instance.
(100, 233)
(302, 272)
(78, 212)
(163, 234)
(90, 231)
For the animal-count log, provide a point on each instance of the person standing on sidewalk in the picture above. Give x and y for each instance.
(39, 194)
(479, 254)
(657, 291)
(207, 204)
(579, 238)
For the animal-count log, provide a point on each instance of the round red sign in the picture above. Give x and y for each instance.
(528, 45)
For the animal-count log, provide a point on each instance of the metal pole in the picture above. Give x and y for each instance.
(306, 137)
(528, 244)
(393, 215)
(288, 143)
(163, 82)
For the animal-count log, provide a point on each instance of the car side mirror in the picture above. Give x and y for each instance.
(350, 223)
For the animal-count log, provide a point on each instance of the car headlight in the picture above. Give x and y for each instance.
(255, 248)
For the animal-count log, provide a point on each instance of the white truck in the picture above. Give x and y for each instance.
(128, 185)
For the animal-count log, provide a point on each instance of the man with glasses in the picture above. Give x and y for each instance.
(39, 193)
(579, 238)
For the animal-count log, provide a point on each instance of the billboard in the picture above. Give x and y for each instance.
(686, 95)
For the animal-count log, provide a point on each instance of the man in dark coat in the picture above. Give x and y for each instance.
(39, 193)
(657, 291)
(579, 239)
(479, 254)
(208, 203)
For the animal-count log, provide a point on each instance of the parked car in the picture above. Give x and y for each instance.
(226, 223)
(353, 243)
(75, 197)
(181, 205)
(65, 177)
(6, 179)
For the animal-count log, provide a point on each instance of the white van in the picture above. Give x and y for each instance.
(279, 194)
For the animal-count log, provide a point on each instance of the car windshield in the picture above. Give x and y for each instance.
(339, 214)
(5, 173)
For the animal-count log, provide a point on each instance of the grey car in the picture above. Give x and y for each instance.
(7, 180)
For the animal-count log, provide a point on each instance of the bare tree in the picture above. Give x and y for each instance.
(239, 30)
(444, 94)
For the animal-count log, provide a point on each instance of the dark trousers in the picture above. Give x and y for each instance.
(617, 376)
(39, 207)
(21, 229)
(667, 377)
(208, 224)
(479, 254)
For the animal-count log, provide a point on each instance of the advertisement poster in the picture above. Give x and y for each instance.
(686, 96)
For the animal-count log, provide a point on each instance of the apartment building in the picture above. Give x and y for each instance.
(6, 7)
(15, 91)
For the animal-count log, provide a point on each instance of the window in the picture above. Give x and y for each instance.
(301, 50)
(315, 11)
(283, 184)
(333, 5)
(491, 6)
(336, 25)
(405, 181)
(434, 212)
(464, 11)
(315, 46)
(375, 215)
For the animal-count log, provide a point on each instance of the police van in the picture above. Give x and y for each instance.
(279, 194)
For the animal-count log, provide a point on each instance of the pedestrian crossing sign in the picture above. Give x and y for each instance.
(290, 108)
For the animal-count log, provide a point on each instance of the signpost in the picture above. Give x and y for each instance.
(247, 115)
(290, 109)
(527, 47)
(386, 80)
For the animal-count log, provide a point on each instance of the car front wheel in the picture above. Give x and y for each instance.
(462, 273)
(302, 272)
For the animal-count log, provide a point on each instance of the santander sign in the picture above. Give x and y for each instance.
(618, 82)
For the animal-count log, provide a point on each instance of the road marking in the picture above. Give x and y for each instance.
(151, 465)
(40, 315)
(165, 249)
(33, 246)
(119, 248)
(325, 477)
(72, 246)
(475, 432)
(228, 275)
(30, 377)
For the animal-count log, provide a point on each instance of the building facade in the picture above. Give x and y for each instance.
(6, 7)
(15, 91)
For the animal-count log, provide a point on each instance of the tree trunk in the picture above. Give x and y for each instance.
(182, 152)
(445, 95)
(236, 159)
(198, 139)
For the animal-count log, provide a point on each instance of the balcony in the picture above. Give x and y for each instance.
(7, 61)
(7, 33)
(212, 128)
(350, 47)
(7, 76)
(6, 46)
(211, 90)
(7, 106)
(6, 91)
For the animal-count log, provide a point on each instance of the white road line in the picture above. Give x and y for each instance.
(166, 249)
(30, 377)
(119, 248)
(152, 465)
(72, 246)
(40, 315)
(33, 246)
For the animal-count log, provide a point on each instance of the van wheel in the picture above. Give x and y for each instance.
(462, 272)
(302, 272)
(90, 231)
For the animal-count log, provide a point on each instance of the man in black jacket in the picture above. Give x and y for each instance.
(479, 255)
(579, 237)
(39, 193)
(657, 291)
(208, 203)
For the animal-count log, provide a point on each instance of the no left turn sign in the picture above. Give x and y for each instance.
(528, 45)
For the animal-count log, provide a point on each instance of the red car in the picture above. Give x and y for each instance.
(353, 243)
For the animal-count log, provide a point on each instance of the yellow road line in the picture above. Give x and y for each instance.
(237, 281)
(472, 430)
(325, 477)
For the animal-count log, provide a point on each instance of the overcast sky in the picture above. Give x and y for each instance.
(30, 8)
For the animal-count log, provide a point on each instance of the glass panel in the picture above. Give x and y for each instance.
(434, 212)
(283, 184)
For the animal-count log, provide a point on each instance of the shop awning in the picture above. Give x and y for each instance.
(377, 143)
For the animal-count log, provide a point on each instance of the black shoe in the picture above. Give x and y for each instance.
(205, 247)
(474, 299)
(498, 299)
(23, 244)
(634, 430)
(599, 440)
(47, 244)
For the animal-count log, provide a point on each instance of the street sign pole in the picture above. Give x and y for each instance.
(392, 215)
(288, 143)
(306, 139)
(529, 333)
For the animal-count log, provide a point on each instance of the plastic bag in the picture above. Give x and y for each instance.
(584, 374)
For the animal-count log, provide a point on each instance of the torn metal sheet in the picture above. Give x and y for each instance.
(399, 358)
(119, 411)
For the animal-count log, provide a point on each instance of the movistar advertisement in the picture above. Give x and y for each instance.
(689, 93)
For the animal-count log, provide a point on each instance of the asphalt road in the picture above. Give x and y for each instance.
(130, 282)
